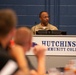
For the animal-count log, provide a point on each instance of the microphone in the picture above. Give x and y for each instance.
(35, 22)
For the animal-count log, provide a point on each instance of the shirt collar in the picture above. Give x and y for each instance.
(41, 27)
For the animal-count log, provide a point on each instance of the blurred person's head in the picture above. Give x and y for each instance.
(44, 17)
(23, 37)
(8, 21)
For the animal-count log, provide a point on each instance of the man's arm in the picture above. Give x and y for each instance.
(39, 51)
(18, 54)
(33, 30)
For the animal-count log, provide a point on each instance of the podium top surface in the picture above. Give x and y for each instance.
(54, 35)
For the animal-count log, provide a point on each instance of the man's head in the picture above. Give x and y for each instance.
(23, 37)
(8, 21)
(44, 17)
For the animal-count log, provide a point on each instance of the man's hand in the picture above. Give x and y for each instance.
(39, 50)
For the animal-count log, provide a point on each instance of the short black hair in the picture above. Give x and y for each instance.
(41, 13)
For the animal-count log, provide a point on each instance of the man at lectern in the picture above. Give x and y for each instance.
(44, 23)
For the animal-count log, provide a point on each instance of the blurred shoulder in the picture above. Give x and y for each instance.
(37, 25)
(53, 27)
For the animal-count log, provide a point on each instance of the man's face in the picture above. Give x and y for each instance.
(44, 18)
(27, 45)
